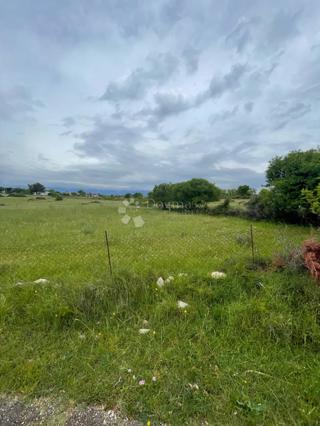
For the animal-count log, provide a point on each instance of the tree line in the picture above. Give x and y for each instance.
(291, 193)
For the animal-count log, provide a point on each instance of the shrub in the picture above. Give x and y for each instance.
(58, 197)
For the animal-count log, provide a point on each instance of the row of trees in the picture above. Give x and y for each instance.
(291, 194)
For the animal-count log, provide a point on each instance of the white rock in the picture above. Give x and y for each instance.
(41, 281)
(218, 275)
(160, 282)
(144, 330)
(182, 304)
(194, 386)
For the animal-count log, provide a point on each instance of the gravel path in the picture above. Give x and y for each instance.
(17, 412)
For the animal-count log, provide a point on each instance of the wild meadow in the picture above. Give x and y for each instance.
(241, 349)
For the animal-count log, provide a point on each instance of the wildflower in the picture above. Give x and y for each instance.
(148, 423)
(154, 379)
(145, 322)
(160, 282)
(182, 304)
(169, 279)
(134, 377)
(41, 281)
(144, 330)
(82, 336)
(129, 370)
(154, 332)
(218, 275)
(182, 274)
(142, 382)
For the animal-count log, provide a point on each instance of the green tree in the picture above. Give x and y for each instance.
(244, 191)
(162, 193)
(36, 187)
(137, 195)
(313, 199)
(195, 191)
(287, 178)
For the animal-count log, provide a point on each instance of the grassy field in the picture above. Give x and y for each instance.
(244, 351)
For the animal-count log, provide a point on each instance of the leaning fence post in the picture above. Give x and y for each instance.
(252, 243)
(109, 256)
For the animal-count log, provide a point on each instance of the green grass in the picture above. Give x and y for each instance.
(252, 351)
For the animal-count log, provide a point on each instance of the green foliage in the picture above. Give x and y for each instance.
(137, 195)
(163, 193)
(244, 191)
(288, 177)
(193, 191)
(58, 197)
(260, 206)
(313, 199)
(36, 188)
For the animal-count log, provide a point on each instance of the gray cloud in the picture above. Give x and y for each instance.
(159, 68)
(228, 82)
(285, 112)
(240, 36)
(191, 58)
(68, 122)
(224, 115)
(17, 102)
(248, 106)
(189, 89)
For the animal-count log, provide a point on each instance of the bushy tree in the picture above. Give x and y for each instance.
(192, 192)
(288, 178)
(162, 193)
(244, 191)
(195, 191)
(137, 195)
(36, 187)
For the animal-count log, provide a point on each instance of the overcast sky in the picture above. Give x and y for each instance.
(122, 95)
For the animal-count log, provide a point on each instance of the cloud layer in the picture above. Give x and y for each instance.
(124, 95)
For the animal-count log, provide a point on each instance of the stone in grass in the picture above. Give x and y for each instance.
(144, 330)
(41, 281)
(160, 282)
(181, 304)
(217, 275)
